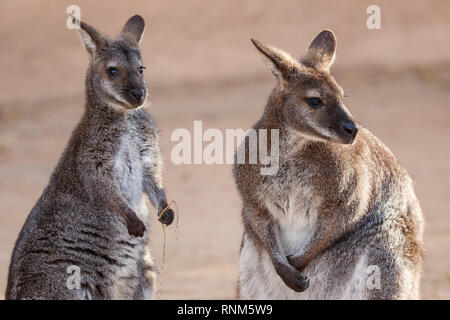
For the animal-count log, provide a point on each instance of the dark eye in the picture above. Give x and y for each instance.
(112, 72)
(141, 69)
(314, 103)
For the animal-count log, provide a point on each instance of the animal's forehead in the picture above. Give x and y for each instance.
(122, 55)
(320, 83)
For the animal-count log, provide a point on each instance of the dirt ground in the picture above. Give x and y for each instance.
(201, 66)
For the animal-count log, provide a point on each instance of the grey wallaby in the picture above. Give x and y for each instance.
(339, 219)
(92, 216)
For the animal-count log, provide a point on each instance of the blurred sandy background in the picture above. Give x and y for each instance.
(201, 66)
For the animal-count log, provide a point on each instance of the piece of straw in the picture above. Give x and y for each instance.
(164, 240)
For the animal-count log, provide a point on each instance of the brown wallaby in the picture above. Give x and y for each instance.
(92, 215)
(340, 219)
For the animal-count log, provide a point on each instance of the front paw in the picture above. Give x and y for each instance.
(298, 262)
(293, 278)
(135, 227)
(167, 217)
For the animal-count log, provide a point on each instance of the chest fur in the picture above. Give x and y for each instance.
(293, 204)
(129, 166)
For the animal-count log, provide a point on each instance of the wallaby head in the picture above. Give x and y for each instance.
(308, 98)
(115, 74)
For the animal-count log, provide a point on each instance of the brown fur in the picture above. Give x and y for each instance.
(360, 196)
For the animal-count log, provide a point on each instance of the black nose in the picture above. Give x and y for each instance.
(137, 94)
(350, 128)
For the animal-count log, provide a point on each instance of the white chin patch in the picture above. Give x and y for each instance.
(110, 90)
(324, 132)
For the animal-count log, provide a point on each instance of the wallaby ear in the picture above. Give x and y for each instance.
(133, 31)
(322, 51)
(281, 63)
(93, 40)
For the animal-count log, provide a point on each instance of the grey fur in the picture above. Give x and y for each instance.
(92, 214)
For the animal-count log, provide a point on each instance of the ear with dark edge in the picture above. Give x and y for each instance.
(133, 31)
(322, 51)
(281, 63)
(93, 40)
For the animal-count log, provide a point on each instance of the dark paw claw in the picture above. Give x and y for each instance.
(167, 217)
(293, 278)
(305, 284)
(136, 228)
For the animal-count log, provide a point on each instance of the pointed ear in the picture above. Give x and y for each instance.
(133, 31)
(321, 51)
(93, 40)
(281, 63)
